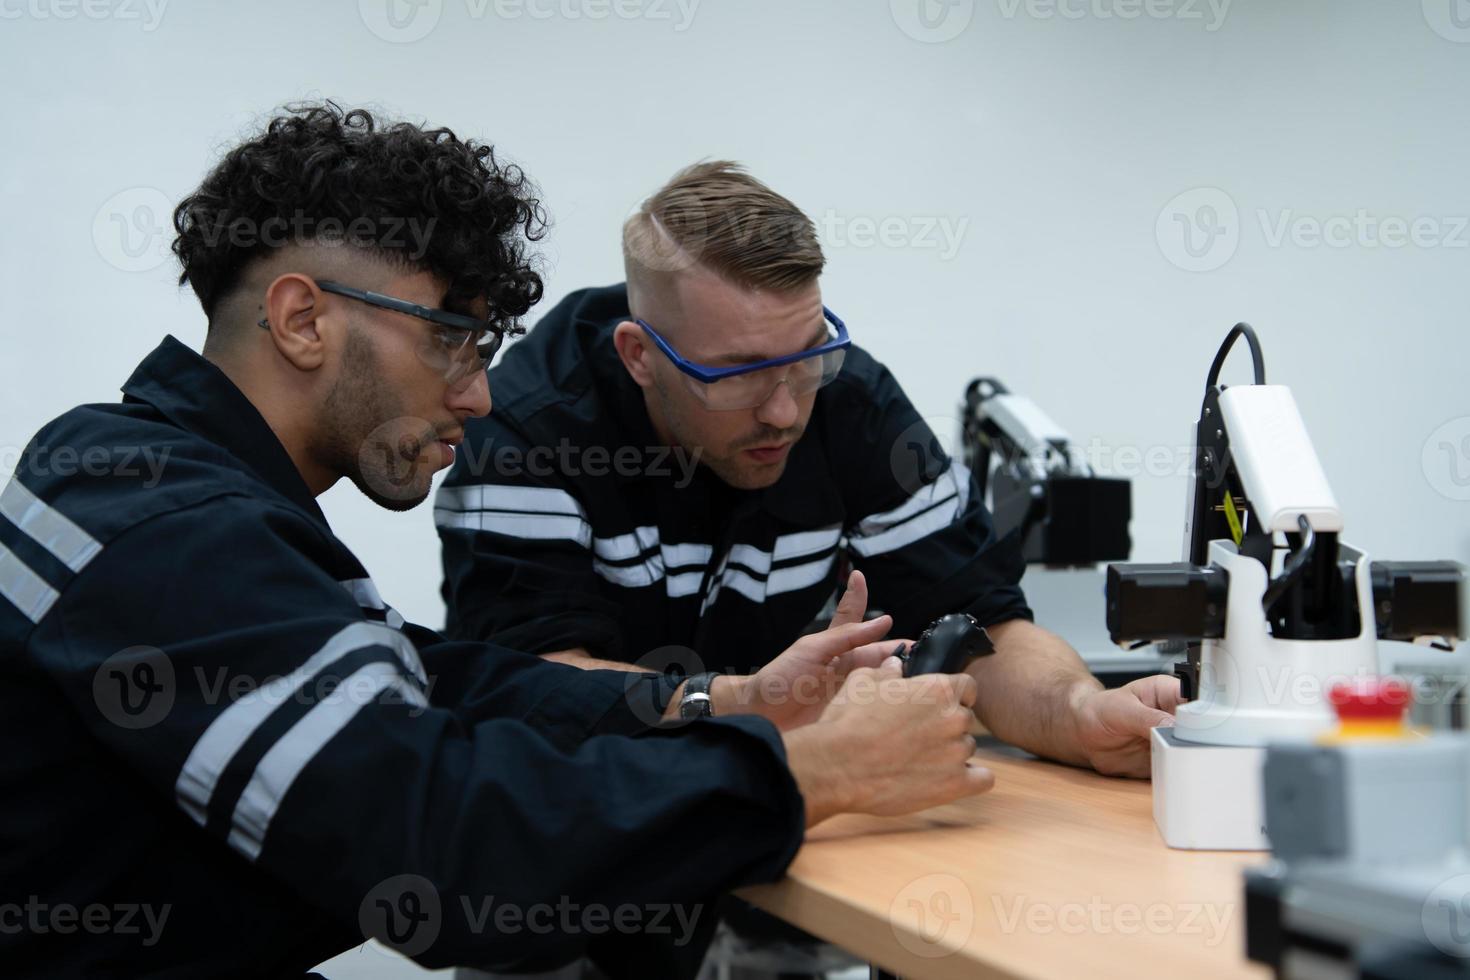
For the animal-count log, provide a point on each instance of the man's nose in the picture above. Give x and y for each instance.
(470, 397)
(780, 410)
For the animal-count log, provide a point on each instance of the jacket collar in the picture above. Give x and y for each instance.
(198, 397)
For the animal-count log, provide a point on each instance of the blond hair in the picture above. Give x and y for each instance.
(715, 215)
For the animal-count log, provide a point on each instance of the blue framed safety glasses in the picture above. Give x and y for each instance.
(745, 386)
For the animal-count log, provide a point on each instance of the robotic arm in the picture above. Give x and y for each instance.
(1273, 606)
(1066, 514)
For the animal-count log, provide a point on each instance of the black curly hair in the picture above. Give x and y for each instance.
(318, 172)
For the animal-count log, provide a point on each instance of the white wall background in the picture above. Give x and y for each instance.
(1050, 138)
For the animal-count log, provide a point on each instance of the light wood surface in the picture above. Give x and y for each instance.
(1055, 873)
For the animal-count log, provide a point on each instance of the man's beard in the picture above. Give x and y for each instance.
(369, 439)
(730, 466)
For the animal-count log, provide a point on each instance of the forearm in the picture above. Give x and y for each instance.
(729, 694)
(581, 658)
(1030, 690)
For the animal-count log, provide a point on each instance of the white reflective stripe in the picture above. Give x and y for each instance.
(927, 496)
(232, 727)
(738, 581)
(293, 752)
(937, 505)
(531, 526)
(799, 576)
(625, 546)
(364, 592)
(49, 527)
(23, 588)
(538, 500)
(805, 543)
(751, 557)
(676, 555)
(781, 580)
(683, 584)
(630, 576)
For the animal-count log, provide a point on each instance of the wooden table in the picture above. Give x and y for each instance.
(1055, 873)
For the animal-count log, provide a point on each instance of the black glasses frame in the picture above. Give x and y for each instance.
(487, 349)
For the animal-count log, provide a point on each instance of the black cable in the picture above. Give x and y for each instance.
(1295, 565)
(1258, 360)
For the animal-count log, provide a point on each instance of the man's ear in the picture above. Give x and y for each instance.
(635, 352)
(293, 310)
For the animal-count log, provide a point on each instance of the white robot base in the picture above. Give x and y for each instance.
(1208, 797)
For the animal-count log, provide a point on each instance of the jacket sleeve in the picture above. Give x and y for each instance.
(919, 529)
(518, 549)
(241, 681)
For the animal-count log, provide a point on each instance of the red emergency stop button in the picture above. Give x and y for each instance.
(1371, 699)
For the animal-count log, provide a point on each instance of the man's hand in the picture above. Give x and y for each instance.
(796, 687)
(888, 745)
(1113, 727)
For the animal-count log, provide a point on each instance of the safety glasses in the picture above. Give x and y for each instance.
(745, 386)
(457, 347)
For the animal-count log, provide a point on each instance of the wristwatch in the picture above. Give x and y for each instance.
(695, 702)
(947, 646)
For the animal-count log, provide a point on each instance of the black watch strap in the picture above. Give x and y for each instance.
(695, 701)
